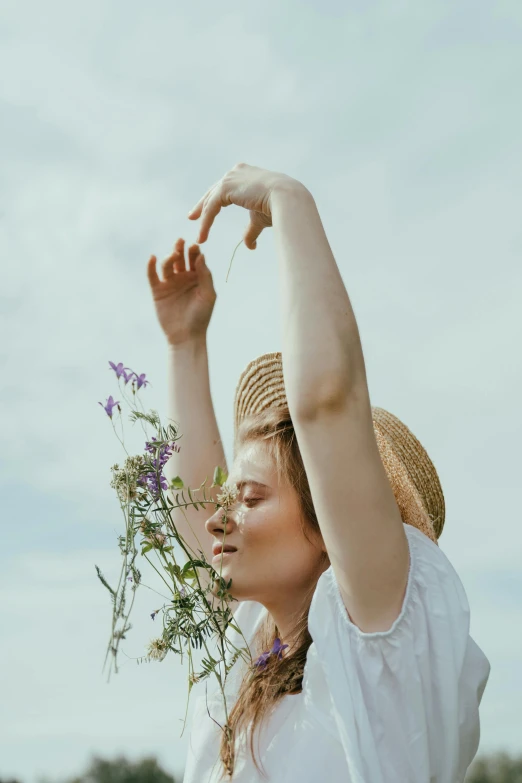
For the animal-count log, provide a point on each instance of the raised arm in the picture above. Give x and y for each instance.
(190, 404)
(328, 397)
(184, 302)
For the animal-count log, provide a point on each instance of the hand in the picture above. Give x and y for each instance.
(185, 299)
(246, 186)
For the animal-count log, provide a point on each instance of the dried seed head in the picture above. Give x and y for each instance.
(228, 496)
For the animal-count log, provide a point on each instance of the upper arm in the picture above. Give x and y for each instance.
(360, 521)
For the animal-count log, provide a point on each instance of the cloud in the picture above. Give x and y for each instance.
(404, 122)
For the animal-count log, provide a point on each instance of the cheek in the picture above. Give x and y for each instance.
(272, 526)
(261, 525)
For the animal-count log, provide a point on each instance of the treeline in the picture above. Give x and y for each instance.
(119, 770)
(497, 768)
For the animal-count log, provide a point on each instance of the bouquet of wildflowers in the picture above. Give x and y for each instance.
(190, 615)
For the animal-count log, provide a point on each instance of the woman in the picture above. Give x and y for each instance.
(364, 669)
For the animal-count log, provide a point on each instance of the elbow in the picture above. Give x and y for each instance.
(328, 396)
(332, 394)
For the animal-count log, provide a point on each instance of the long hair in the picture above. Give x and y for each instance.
(260, 690)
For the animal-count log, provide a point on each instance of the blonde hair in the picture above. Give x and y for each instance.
(261, 689)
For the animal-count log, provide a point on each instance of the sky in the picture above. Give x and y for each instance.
(404, 120)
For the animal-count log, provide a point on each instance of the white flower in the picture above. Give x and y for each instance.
(228, 496)
(157, 649)
(124, 480)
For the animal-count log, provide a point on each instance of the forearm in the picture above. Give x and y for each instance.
(322, 352)
(191, 408)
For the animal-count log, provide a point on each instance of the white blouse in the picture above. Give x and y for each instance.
(399, 706)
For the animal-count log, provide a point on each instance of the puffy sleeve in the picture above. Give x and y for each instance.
(405, 701)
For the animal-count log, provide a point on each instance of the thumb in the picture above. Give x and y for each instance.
(250, 237)
(258, 221)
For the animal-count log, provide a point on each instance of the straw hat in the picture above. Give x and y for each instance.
(410, 471)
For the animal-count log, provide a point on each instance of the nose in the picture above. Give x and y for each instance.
(216, 523)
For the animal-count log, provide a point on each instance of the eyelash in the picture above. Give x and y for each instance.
(250, 500)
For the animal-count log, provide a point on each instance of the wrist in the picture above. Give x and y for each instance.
(289, 189)
(193, 346)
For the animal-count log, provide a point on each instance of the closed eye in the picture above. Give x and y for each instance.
(250, 500)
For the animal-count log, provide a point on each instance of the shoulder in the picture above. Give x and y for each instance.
(425, 671)
(434, 591)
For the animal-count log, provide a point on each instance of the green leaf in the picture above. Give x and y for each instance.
(219, 477)
(187, 571)
(104, 581)
(177, 483)
(146, 549)
(196, 563)
(192, 499)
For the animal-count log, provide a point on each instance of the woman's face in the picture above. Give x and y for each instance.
(273, 563)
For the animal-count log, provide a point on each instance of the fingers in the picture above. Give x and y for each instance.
(250, 237)
(178, 256)
(205, 278)
(175, 263)
(193, 253)
(151, 272)
(258, 222)
(196, 211)
(211, 209)
(167, 268)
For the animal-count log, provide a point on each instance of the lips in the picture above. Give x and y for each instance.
(218, 548)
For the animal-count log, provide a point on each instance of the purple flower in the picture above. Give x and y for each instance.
(140, 380)
(262, 660)
(277, 649)
(150, 481)
(118, 368)
(127, 376)
(153, 615)
(164, 452)
(109, 406)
